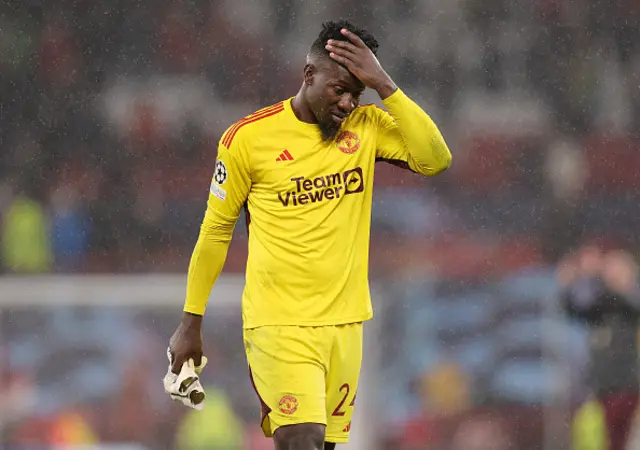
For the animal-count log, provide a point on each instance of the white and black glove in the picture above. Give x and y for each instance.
(185, 386)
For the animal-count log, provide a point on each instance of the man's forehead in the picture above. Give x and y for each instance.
(339, 73)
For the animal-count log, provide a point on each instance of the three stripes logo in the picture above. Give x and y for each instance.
(285, 156)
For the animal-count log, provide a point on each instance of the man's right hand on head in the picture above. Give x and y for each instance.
(186, 342)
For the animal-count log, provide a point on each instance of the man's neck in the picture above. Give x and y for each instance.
(301, 110)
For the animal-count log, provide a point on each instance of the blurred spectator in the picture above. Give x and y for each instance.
(197, 433)
(71, 428)
(17, 391)
(446, 389)
(588, 427)
(602, 291)
(131, 415)
(70, 230)
(482, 433)
(26, 247)
(566, 172)
(444, 394)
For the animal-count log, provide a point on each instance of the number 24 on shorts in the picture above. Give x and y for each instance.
(339, 411)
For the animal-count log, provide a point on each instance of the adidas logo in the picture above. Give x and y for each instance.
(285, 156)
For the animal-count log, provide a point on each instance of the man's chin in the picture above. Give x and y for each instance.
(329, 130)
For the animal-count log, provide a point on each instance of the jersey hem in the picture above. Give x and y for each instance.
(307, 323)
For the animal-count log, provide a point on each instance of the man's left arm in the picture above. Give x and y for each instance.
(408, 138)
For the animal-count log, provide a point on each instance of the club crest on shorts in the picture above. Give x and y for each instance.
(288, 404)
(348, 142)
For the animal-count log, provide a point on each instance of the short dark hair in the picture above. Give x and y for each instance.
(331, 30)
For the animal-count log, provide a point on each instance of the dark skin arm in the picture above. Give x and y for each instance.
(186, 341)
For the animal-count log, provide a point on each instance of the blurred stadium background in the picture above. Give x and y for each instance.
(110, 114)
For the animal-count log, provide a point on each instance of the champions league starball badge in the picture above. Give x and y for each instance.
(220, 173)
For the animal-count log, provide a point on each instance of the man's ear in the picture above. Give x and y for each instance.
(309, 72)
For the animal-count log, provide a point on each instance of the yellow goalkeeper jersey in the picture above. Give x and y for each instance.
(308, 204)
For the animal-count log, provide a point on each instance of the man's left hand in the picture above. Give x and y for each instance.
(361, 62)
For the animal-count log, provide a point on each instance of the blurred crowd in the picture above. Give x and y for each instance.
(601, 291)
(109, 122)
(111, 113)
(540, 358)
(91, 376)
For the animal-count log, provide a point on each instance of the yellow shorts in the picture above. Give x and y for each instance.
(306, 375)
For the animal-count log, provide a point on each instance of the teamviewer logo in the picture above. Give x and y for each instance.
(333, 186)
(353, 181)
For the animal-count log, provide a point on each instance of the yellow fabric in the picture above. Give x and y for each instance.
(410, 135)
(306, 374)
(589, 430)
(25, 238)
(310, 212)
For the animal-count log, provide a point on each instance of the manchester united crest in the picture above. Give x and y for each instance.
(288, 404)
(348, 142)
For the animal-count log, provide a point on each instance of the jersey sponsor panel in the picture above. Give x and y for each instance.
(304, 191)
